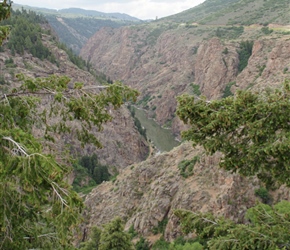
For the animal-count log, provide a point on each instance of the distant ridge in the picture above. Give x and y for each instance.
(94, 13)
(74, 26)
(79, 12)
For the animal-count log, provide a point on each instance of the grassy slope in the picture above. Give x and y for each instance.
(243, 12)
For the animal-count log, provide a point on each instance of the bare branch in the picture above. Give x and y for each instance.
(20, 148)
(63, 201)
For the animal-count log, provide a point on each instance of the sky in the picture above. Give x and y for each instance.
(142, 9)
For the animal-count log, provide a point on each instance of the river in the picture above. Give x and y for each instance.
(162, 138)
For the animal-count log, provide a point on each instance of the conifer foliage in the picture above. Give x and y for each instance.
(112, 237)
(5, 10)
(38, 209)
(250, 129)
(268, 228)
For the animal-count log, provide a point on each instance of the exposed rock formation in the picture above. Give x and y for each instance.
(159, 65)
(146, 193)
(268, 66)
(215, 69)
(122, 143)
(163, 60)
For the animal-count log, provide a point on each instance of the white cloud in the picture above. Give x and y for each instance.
(143, 9)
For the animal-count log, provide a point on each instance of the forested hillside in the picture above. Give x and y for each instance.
(26, 33)
(75, 26)
(226, 86)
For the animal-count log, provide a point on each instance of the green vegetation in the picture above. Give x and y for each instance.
(5, 11)
(132, 232)
(226, 51)
(235, 12)
(142, 244)
(195, 88)
(261, 69)
(179, 244)
(89, 173)
(77, 60)
(250, 129)
(161, 226)
(186, 166)
(232, 32)
(85, 26)
(263, 194)
(37, 201)
(154, 35)
(266, 30)
(227, 91)
(137, 122)
(144, 101)
(112, 237)
(9, 63)
(161, 244)
(244, 52)
(39, 209)
(268, 228)
(3, 81)
(94, 240)
(26, 34)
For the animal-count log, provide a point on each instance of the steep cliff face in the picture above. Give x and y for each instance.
(159, 64)
(122, 144)
(268, 66)
(165, 60)
(215, 69)
(144, 194)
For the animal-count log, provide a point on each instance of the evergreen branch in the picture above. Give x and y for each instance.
(21, 149)
(41, 236)
(63, 201)
(263, 235)
(22, 93)
(95, 87)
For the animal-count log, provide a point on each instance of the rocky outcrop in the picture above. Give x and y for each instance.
(214, 68)
(162, 61)
(122, 144)
(144, 194)
(268, 66)
(159, 64)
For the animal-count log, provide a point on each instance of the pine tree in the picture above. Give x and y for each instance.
(113, 237)
(38, 208)
(250, 129)
(252, 132)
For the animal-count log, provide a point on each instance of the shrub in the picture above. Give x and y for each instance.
(266, 30)
(227, 90)
(161, 244)
(142, 244)
(263, 194)
(226, 51)
(186, 166)
(161, 226)
(195, 89)
(244, 52)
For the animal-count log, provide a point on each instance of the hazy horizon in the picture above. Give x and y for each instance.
(142, 9)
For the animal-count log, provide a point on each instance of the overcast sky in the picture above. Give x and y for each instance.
(143, 9)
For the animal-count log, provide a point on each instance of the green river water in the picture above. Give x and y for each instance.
(162, 138)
